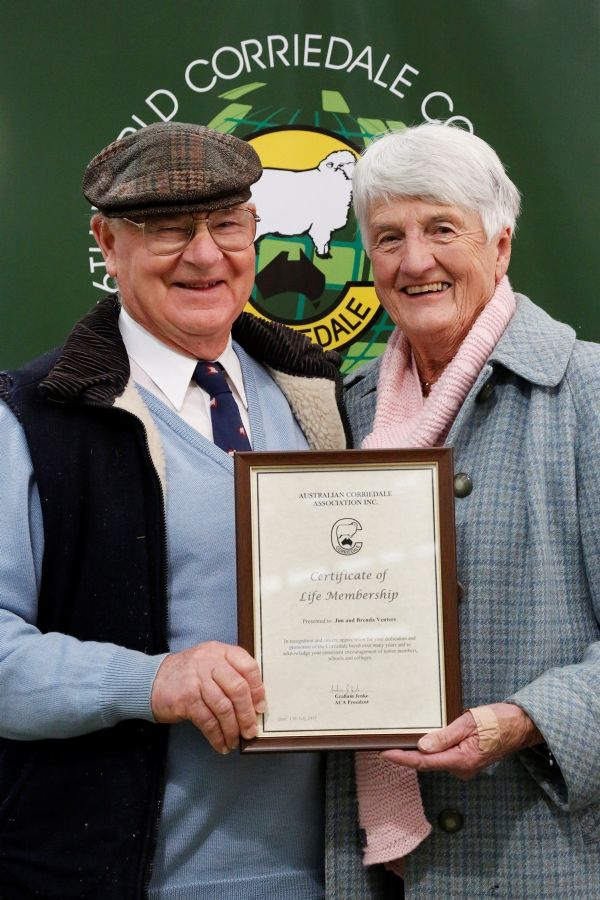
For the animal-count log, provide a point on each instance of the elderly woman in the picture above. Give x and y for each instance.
(512, 787)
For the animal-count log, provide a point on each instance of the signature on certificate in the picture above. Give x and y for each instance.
(345, 689)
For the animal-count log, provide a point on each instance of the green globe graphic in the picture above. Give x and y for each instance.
(295, 285)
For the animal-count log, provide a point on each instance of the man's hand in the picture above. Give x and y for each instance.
(463, 749)
(216, 686)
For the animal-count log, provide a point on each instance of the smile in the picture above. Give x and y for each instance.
(432, 288)
(197, 286)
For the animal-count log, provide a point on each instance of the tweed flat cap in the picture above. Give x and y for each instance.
(171, 167)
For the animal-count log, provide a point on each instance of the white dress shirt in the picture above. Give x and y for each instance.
(168, 375)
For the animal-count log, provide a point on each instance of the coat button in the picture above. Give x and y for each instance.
(450, 821)
(463, 484)
(486, 392)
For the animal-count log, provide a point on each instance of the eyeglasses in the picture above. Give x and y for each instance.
(230, 229)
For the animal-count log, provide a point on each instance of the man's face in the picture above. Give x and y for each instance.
(188, 300)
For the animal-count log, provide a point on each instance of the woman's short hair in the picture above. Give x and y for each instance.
(439, 163)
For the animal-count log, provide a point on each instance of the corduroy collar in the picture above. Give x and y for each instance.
(93, 365)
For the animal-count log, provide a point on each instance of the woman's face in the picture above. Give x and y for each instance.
(434, 268)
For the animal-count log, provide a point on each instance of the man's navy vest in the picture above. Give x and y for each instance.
(78, 816)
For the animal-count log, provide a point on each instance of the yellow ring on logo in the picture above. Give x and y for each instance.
(357, 305)
(355, 311)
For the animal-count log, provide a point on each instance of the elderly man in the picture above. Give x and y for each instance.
(118, 545)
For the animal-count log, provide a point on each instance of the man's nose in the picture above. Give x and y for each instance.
(202, 249)
(416, 255)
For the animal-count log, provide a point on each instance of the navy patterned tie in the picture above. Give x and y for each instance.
(228, 431)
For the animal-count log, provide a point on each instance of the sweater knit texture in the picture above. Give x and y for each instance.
(232, 827)
(221, 835)
(403, 418)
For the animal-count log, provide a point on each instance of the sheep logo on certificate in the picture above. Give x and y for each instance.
(311, 272)
(343, 536)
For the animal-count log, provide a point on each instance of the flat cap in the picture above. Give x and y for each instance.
(171, 167)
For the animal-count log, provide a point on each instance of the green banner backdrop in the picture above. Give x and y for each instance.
(309, 85)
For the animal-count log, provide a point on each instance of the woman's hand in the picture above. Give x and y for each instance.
(472, 742)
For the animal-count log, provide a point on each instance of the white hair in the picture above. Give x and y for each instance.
(439, 163)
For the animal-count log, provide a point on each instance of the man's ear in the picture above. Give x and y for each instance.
(503, 246)
(104, 233)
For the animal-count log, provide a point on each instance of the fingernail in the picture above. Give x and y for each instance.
(225, 751)
(251, 732)
(425, 744)
(261, 707)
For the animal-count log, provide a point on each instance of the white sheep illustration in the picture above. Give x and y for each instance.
(314, 201)
(345, 531)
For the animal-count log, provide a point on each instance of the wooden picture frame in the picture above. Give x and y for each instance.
(347, 595)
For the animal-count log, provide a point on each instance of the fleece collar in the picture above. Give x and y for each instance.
(93, 365)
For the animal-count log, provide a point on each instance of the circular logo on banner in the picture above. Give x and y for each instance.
(312, 272)
(343, 536)
(308, 103)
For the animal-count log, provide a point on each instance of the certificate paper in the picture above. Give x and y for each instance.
(347, 595)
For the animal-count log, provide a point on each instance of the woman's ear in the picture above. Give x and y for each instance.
(503, 247)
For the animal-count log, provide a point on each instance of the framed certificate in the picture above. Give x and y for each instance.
(347, 595)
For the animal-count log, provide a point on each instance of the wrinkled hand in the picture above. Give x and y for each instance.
(216, 686)
(460, 748)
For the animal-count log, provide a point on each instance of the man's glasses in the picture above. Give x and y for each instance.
(230, 229)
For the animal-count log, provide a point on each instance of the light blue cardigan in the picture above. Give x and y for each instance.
(528, 554)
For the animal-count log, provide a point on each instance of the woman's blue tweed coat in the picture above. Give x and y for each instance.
(529, 558)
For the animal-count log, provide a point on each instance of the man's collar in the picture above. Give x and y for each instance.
(170, 370)
(233, 368)
(93, 365)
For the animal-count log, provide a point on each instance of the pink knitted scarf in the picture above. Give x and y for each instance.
(389, 801)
